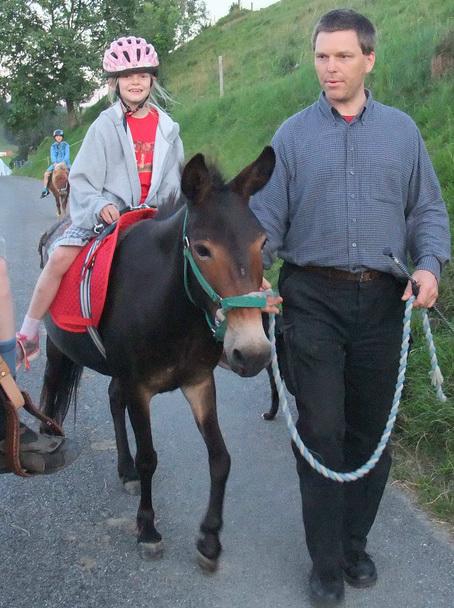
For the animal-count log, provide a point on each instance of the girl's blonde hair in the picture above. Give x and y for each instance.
(158, 95)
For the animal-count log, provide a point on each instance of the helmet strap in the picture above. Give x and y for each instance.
(127, 110)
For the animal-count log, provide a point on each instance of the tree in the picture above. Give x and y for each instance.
(50, 52)
(169, 23)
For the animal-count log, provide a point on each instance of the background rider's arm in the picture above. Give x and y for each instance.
(66, 159)
(53, 154)
(271, 203)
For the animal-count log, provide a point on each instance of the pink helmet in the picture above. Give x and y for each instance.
(130, 53)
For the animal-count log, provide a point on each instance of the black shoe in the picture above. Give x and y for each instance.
(42, 454)
(326, 590)
(44, 193)
(359, 569)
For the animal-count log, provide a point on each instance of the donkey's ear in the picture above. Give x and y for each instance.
(255, 175)
(195, 177)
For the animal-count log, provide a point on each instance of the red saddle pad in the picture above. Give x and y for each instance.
(65, 310)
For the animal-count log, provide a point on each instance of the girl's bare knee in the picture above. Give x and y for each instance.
(61, 259)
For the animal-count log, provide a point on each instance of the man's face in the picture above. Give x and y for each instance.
(341, 65)
(58, 138)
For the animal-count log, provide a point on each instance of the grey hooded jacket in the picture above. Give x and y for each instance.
(105, 170)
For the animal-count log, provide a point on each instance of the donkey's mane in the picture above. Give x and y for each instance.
(173, 203)
(216, 177)
(170, 206)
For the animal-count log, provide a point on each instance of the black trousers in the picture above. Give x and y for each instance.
(342, 340)
(2, 417)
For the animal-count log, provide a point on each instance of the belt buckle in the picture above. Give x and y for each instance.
(364, 276)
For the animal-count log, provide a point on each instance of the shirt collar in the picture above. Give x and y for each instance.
(332, 114)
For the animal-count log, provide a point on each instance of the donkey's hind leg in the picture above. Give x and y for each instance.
(202, 398)
(125, 464)
(61, 379)
(57, 199)
(271, 413)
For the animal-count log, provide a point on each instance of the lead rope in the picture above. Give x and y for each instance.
(437, 380)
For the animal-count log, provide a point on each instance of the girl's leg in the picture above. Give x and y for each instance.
(43, 295)
(45, 190)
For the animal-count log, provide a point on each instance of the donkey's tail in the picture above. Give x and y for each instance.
(61, 383)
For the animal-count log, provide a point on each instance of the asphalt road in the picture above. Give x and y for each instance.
(67, 541)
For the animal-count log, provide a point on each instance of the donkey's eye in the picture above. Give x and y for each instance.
(264, 243)
(202, 251)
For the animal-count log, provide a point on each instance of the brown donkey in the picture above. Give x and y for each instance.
(155, 332)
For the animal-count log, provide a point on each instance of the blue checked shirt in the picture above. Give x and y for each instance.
(342, 192)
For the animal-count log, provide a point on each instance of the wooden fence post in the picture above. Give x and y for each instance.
(221, 77)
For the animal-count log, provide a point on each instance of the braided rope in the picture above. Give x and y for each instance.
(369, 465)
(436, 376)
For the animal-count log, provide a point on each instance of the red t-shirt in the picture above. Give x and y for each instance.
(349, 118)
(143, 131)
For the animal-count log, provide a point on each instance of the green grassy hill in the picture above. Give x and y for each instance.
(269, 76)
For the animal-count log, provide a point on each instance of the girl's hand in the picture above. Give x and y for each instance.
(109, 214)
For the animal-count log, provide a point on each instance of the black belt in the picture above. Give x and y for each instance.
(345, 275)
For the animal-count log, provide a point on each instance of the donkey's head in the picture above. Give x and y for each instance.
(226, 242)
(60, 177)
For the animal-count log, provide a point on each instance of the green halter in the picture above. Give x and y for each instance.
(244, 301)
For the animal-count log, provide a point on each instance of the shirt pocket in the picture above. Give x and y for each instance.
(385, 181)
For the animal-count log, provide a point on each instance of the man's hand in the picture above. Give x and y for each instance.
(271, 301)
(428, 289)
(109, 214)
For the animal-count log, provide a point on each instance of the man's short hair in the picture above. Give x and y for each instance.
(348, 19)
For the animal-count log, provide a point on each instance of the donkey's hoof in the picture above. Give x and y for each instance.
(150, 551)
(207, 564)
(132, 487)
(208, 551)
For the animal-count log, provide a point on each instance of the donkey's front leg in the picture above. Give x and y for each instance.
(148, 538)
(202, 398)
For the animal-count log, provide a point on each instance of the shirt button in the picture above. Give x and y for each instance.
(353, 219)
(351, 172)
(352, 196)
(353, 244)
(352, 148)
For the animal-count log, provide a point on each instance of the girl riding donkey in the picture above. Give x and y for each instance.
(59, 153)
(131, 154)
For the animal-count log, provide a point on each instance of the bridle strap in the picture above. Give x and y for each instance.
(250, 300)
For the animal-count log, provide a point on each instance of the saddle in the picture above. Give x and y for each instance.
(13, 399)
(80, 300)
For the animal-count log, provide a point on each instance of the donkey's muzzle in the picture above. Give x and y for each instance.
(248, 364)
(246, 346)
